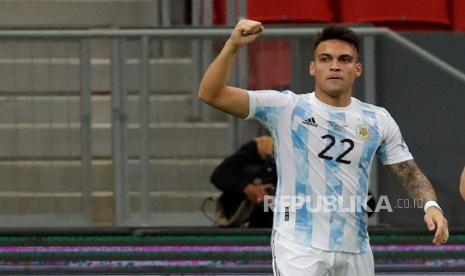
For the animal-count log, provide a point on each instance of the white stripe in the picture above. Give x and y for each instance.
(351, 175)
(320, 235)
(287, 170)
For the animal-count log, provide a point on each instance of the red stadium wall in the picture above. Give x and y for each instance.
(269, 60)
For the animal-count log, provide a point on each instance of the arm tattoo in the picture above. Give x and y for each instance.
(414, 181)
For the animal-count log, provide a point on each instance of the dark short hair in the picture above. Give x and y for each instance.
(337, 32)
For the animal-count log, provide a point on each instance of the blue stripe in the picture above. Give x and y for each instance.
(382, 154)
(333, 183)
(369, 148)
(300, 135)
(268, 116)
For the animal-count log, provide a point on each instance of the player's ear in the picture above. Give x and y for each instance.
(311, 68)
(358, 69)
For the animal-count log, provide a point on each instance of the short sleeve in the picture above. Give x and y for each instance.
(267, 105)
(393, 148)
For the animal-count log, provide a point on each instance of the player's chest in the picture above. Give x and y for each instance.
(340, 136)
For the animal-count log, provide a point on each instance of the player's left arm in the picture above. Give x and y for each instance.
(420, 188)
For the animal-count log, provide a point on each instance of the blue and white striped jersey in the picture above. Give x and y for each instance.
(323, 157)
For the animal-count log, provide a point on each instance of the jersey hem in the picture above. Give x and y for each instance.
(283, 234)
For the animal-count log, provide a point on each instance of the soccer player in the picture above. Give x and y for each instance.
(462, 184)
(325, 142)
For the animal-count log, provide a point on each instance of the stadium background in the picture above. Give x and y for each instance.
(103, 135)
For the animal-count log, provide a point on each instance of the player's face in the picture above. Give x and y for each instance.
(335, 67)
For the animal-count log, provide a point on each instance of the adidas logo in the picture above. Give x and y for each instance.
(310, 121)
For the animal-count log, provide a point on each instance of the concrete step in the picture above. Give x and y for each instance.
(77, 14)
(65, 176)
(173, 201)
(52, 141)
(66, 109)
(61, 75)
(89, 14)
(178, 208)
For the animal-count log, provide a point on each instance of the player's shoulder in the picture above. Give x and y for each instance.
(271, 98)
(305, 96)
(378, 110)
(289, 94)
(273, 93)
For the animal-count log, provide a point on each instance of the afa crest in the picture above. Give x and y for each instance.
(363, 132)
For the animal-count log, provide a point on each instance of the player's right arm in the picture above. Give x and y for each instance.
(213, 87)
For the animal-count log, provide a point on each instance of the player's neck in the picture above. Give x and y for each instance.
(342, 100)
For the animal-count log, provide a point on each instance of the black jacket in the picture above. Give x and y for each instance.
(236, 172)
